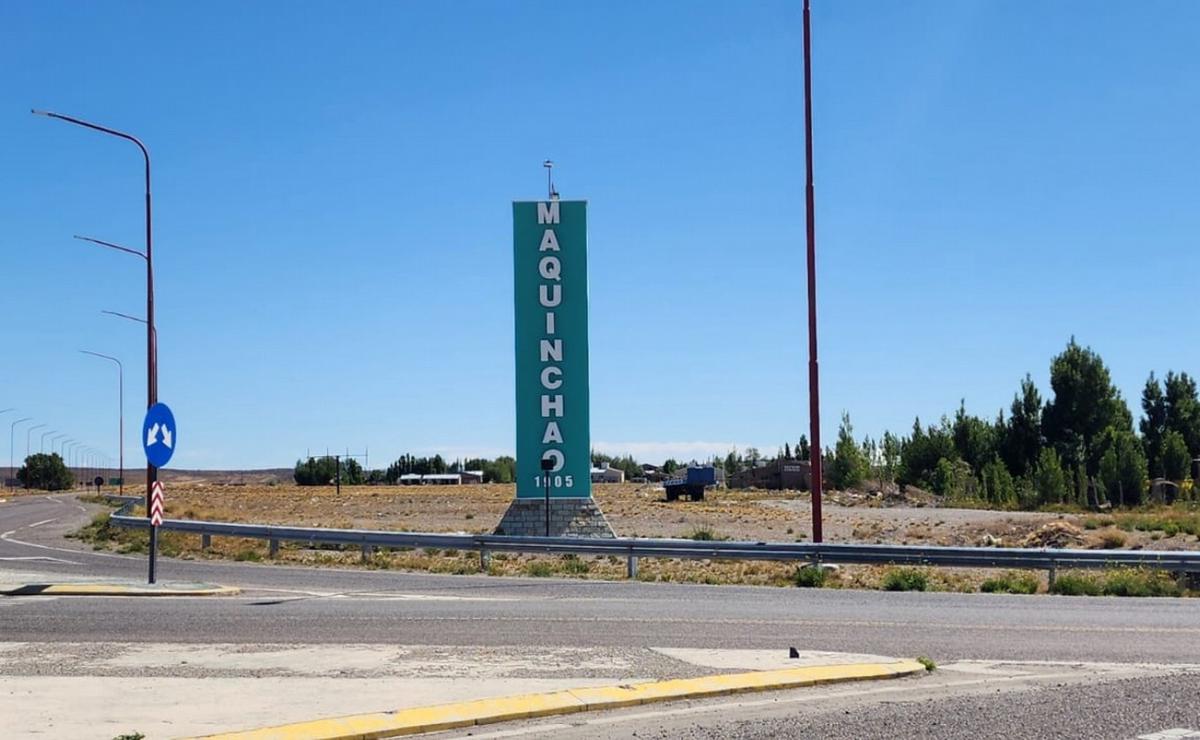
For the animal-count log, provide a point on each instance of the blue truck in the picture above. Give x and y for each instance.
(692, 483)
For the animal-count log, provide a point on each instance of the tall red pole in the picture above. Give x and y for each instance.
(814, 387)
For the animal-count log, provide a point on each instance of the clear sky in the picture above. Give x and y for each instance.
(333, 227)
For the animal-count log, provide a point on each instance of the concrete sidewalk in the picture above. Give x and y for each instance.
(165, 691)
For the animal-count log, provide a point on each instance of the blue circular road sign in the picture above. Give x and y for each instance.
(158, 435)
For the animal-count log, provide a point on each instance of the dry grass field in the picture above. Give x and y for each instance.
(641, 511)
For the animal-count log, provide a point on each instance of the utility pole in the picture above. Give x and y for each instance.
(814, 381)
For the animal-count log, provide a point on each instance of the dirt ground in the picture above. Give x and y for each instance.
(642, 511)
(633, 511)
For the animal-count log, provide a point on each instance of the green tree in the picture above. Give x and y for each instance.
(318, 471)
(1153, 425)
(626, 464)
(352, 472)
(1183, 409)
(501, 470)
(1081, 487)
(920, 453)
(1176, 460)
(733, 462)
(974, 439)
(850, 466)
(1085, 404)
(1050, 481)
(599, 457)
(999, 487)
(952, 478)
(1021, 436)
(803, 450)
(1122, 467)
(45, 472)
(890, 449)
(670, 465)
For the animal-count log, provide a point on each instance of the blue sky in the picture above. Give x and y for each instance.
(332, 212)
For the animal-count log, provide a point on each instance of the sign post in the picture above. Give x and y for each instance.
(159, 439)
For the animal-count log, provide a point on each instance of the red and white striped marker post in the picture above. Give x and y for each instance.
(156, 504)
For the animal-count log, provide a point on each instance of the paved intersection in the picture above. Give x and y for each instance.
(1154, 643)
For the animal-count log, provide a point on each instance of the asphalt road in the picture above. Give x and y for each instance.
(283, 604)
(294, 604)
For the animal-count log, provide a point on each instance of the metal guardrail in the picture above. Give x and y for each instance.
(1050, 559)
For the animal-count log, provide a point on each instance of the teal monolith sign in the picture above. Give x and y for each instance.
(551, 302)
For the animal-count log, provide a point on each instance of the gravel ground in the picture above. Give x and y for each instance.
(1117, 710)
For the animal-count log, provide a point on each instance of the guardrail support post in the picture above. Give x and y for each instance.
(205, 542)
(1051, 579)
(367, 552)
(274, 548)
(485, 560)
(631, 565)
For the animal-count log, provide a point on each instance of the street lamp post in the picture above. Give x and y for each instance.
(66, 452)
(120, 412)
(12, 430)
(71, 455)
(148, 255)
(54, 441)
(42, 442)
(10, 471)
(29, 435)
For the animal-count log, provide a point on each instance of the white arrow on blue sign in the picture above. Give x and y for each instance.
(159, 436)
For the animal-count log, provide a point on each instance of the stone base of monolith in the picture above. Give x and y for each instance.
(569, 517)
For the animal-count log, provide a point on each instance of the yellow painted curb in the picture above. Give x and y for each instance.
(487, 711)
(115, 589)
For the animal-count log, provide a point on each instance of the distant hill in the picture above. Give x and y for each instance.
(224, 477)
(137, 476)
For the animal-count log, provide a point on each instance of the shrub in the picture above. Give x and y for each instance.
(810, 576)
(136, 547)
(574, 565)
(927, 662)
(1013, 582)
(905, 579)
(703, 534)
(1076, 584)
(1139, 582)
(100, 530)
(539, 569)
(1112, 539)
(248, 555)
